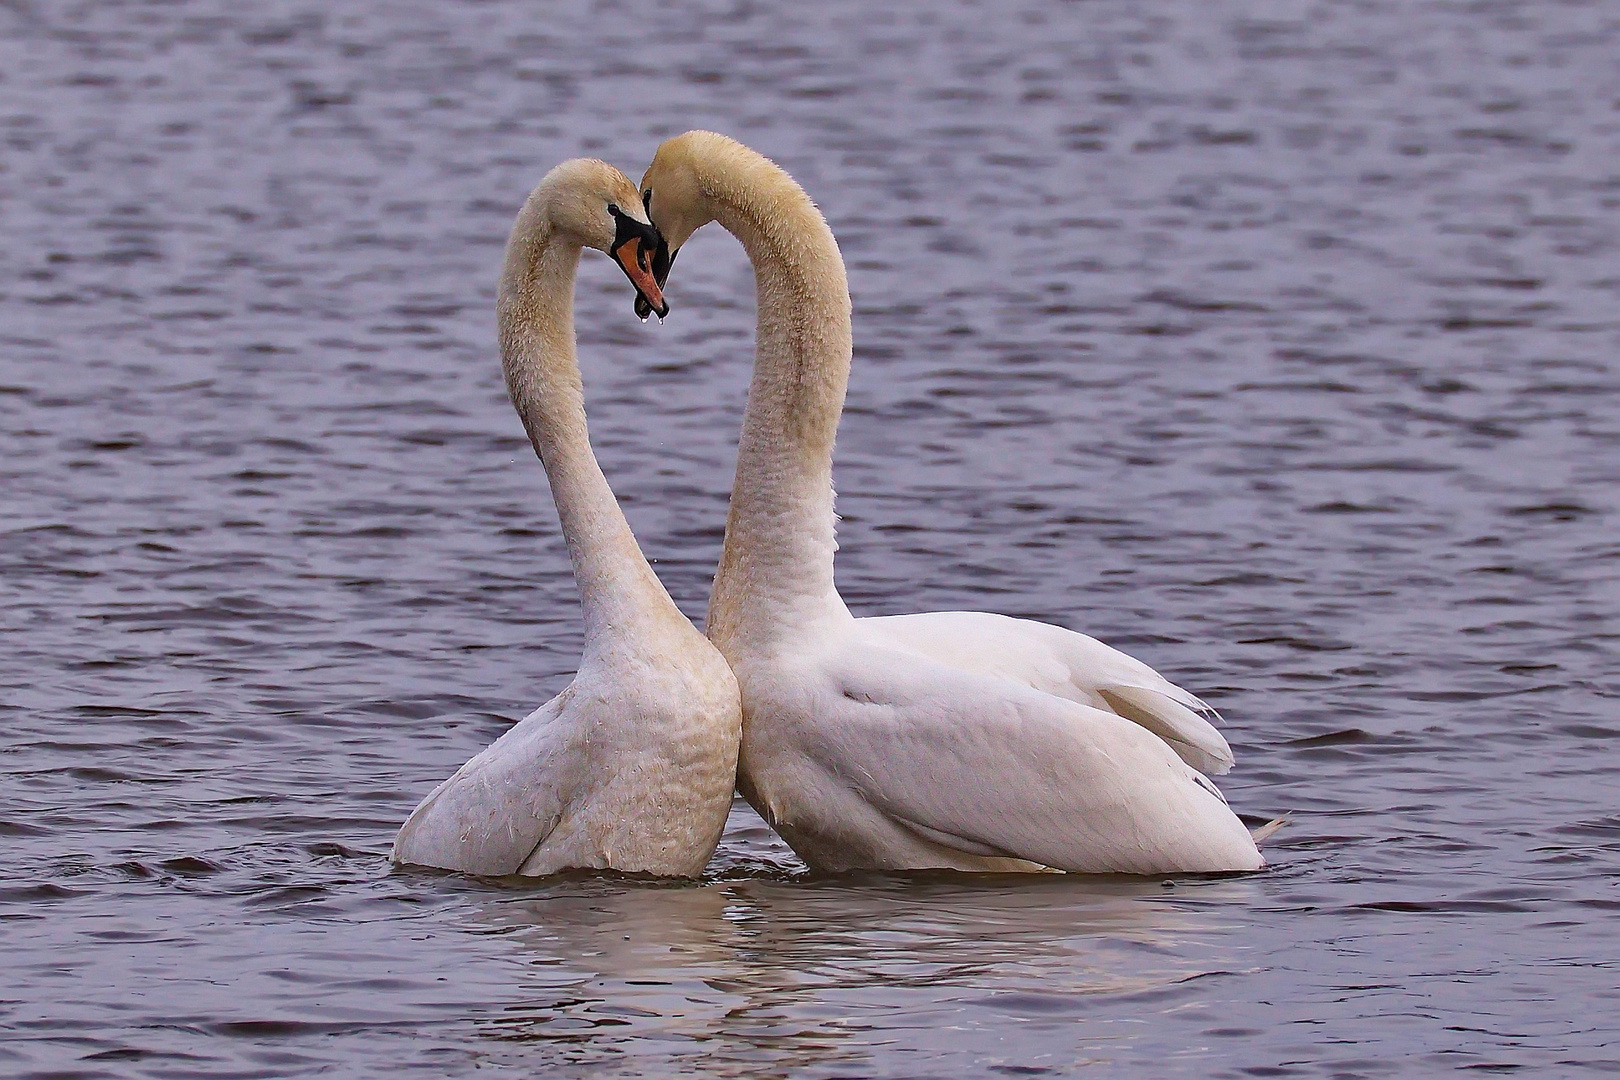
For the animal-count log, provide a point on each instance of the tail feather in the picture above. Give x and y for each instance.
(1263, 833)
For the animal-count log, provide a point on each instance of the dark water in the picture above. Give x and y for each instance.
(1279, 353)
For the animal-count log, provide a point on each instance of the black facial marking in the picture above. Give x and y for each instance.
(662, 260)
(627, 228)
(661, 256)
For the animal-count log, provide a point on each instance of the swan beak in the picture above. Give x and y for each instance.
(661, 260)
(635, 245)
(632, 259)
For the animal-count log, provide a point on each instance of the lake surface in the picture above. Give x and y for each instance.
(1281, 354)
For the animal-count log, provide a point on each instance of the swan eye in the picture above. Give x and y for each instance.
(613, 208)
(646, 202)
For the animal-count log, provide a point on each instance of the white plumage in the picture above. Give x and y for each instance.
(631, 767)
(956, 739)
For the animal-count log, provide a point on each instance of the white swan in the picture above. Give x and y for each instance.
(631, 767)
(958, 739)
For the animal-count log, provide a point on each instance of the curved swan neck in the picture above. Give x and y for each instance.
(775, 578)
(535, 311)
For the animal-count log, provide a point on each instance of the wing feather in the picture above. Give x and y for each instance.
(1065, 664)
(1016, 772)
(498, 807)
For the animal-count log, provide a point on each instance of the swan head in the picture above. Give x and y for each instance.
(674, 194)
(597, 206)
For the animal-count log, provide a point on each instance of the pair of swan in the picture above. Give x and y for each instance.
(959, 740)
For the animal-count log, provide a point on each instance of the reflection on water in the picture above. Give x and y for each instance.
(806, 977)
(1276, 347)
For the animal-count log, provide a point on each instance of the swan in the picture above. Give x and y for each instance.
(957, 740)
(632, 766)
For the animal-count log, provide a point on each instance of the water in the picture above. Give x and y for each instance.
(1279, 353)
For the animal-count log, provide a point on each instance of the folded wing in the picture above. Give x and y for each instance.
(498, 807)
(996, 768)
(1064, 664)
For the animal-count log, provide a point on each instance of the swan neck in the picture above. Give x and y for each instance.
(775, 579)
(618, 590)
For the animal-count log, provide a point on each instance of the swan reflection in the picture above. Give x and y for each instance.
(758, 970)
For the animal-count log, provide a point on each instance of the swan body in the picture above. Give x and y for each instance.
(632, 766)
(959, 740)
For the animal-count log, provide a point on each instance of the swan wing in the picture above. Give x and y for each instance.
(498, 807)
(1065, 664)
(992, 767)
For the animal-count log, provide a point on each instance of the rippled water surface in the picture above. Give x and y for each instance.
(1279, 352)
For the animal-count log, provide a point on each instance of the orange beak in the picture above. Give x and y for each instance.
(632, 259)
